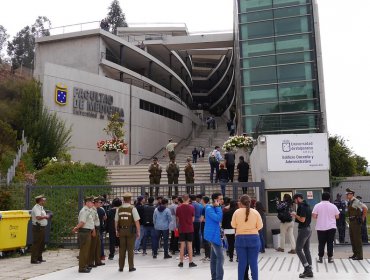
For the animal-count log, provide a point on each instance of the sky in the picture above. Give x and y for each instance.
(344, 28)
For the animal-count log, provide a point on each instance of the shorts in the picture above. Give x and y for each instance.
(188, 236)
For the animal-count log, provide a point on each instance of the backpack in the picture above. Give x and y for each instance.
(148, 215)
(284, 215)
(212, 157)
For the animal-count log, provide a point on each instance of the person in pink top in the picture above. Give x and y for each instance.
(326, 215)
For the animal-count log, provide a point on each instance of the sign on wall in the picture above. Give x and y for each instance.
(292, 152)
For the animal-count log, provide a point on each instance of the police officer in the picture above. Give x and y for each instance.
(127, 228)
(155, 173)
(173, 172)
(364, 235)
(341, 222)
(85, 229)
(95, 248)
(189, 176)
(39, 223)
(356, 213)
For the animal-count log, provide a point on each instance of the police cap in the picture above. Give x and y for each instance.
(40, 197)
(98, 199)
(349, 191)
(89, 198)
(127, 195)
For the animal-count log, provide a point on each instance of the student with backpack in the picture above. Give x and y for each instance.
(284, 210)
(214, 159)
(148, 224)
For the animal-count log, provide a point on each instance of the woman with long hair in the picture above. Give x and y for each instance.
(247, 222)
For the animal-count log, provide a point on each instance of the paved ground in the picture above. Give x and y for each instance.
(61, 265)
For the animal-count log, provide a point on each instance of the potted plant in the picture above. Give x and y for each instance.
(115, 147)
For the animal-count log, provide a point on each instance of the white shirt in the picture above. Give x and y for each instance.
(37, 211)
(326, 212)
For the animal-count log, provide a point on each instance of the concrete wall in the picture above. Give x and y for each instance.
(85, 50)
(150, 131)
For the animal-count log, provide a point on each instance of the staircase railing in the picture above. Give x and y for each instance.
(21, 151)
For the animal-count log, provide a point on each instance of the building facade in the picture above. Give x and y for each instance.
(281, 88)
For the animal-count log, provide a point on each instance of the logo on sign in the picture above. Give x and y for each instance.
(61, 93)
(286, 146)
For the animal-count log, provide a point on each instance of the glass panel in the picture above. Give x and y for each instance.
(250, 123)
(266, 75)
(301, 41)
(252, 5)
(258, 30)
(292, 11)
(260, 94)
(295, 91)
(260, 45)
(295, 72)
(257, 16)
(259, 61)
(292, 25)
(281, 3)
(297, 106)
(294, 57)
(261, 109)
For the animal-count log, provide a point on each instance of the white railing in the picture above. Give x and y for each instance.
(21, 151)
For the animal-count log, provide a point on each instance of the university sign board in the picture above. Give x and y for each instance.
(293, 152)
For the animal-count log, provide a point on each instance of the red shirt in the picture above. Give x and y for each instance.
(185, 214)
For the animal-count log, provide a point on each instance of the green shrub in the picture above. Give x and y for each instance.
(72, 174)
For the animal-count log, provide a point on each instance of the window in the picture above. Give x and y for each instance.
(159, 110)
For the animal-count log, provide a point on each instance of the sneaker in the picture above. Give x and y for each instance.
(330, 260)
(167, 256)
(136, 252)
(111, 258)
(144, 253)
(206, 260)
(203, 259)
(280, 249)
(154, 256)
(192, 264)
(320, 260)
(181, 264)
(307, 273)
(291, 251)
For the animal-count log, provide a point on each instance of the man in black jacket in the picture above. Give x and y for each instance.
(140, 209)
(148, 223)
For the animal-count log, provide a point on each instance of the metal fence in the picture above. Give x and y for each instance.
(66, 201)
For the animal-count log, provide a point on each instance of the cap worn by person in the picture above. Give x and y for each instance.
(40, 197)
(140, 198)
(127, 195)
(89, 199)
(297, 195)
(349, 191)
(97, 199)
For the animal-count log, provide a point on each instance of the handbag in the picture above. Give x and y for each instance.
(176, 232)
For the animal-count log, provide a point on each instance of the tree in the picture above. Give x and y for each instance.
(22, 48)
(361, 165)
(115, 17)
(3, 38)
(342, 162)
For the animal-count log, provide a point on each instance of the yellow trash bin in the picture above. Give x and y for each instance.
(13, 229)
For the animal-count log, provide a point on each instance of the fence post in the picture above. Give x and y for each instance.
(235, 192)
(80, 198)
(27, 198)
(203, 189)
(262, 194)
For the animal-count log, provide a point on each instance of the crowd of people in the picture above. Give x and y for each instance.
(191, 222)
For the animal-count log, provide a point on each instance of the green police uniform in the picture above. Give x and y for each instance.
(355, 221)
(38, 231)
(189, 177)
(84, 236)
(173, 172)
(126, 216)
(155, 173)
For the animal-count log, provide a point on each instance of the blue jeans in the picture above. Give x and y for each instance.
(247, 247)
(148, 231)
(223, 183)
(102, 254)
(262, 240)
(158, 234)
(138, 241)
(217, 262)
